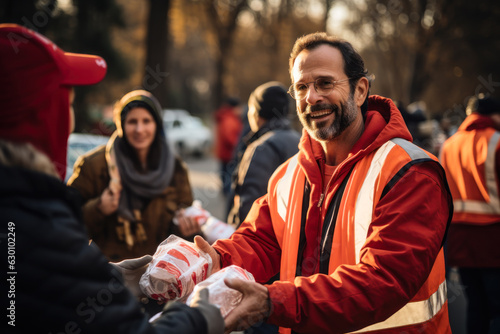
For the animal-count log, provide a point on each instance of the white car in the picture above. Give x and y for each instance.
(187, 134)
(79, 144)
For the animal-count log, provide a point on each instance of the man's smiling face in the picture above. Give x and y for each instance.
(324, 117)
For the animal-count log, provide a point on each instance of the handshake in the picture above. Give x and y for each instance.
(180, 271)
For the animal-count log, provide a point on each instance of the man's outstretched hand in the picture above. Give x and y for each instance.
(205, 246)
(254, 306)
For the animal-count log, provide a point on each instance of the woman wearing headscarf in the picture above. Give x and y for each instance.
(133, 186)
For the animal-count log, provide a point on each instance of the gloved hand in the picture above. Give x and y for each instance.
(211, 313)
(132, 270)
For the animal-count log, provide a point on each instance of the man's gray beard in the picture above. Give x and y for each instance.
(343, 118)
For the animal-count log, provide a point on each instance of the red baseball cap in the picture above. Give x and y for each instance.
(35, 81)
(74, 69)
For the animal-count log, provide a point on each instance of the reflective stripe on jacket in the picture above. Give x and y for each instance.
(372, 175)
(469, 160)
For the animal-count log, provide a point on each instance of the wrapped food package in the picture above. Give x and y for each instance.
(196, 212)
(176, 267)
(219, 293)
(213, 229)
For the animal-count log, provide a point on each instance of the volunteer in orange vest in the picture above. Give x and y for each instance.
(471, 158)
(354, 222)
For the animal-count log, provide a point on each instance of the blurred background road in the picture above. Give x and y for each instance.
(206, 184)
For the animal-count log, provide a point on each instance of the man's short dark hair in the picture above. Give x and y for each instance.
(484, 105)
(354, 66)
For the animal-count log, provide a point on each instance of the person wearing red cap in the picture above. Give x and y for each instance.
(56, 282)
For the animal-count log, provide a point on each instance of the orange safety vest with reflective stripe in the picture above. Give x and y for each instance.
(364, 188)
(468, 158)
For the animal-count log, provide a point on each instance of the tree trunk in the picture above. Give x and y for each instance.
(419, 78)
(82, 118)
(224, 29)
(328, 6)
(220, 70)
(155, 71)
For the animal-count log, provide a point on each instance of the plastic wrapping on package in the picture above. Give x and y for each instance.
(219, 293)
(213, 229)
(196, 212)
(175, 269)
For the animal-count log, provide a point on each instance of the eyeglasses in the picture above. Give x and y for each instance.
(322, 86)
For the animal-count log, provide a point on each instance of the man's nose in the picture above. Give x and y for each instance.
(312, 96)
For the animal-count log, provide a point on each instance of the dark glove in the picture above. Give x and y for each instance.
(132, 270)
(211, 313)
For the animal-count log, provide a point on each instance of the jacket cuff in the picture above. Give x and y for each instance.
(281, 295)
(225, 257)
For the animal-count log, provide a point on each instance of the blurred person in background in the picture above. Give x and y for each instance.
(354, 222)
(414, 116)
(238, 151)
(134, 186)
(56, 281)
(270, 143)
(471, 158)
(229, 126)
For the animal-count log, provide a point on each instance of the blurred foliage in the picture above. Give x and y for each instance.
(438, 51)
(234, 46)
(35, 14)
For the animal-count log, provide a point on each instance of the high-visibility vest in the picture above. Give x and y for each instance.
(469, 161)
(372, 173)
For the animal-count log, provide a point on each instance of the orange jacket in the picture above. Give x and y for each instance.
(396, 263)
(470, 158)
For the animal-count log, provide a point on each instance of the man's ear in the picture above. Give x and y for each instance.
(361, 91)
